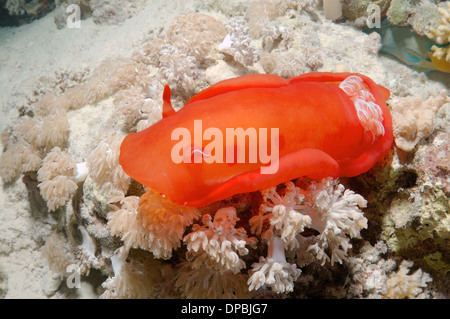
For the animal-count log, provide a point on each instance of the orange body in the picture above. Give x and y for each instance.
(319, 134)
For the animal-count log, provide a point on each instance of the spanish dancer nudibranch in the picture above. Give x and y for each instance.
(321, 125)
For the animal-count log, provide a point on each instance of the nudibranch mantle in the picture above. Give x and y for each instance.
(326, 124)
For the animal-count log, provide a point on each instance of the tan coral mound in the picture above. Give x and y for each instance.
(402, 285)
(414, 120)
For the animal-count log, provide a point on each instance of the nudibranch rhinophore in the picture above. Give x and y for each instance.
(256, 131)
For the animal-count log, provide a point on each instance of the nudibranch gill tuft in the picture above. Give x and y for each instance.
(320, 124)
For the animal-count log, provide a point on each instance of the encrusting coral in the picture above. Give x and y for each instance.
(441, 34)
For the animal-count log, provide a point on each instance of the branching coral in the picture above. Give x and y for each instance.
(218, 243)
(56, 177)
(414, 120)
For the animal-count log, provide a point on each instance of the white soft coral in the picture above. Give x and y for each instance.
(336, 215)
(218, 243)
(284, 215)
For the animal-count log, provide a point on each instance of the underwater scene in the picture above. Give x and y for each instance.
(212, 149)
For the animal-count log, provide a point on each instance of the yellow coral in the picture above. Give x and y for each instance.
(402, 285)
(441, 34)
(413, 119)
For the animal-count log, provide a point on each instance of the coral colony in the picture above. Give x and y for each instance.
(153, 226)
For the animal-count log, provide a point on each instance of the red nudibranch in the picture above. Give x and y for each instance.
(320, 124)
